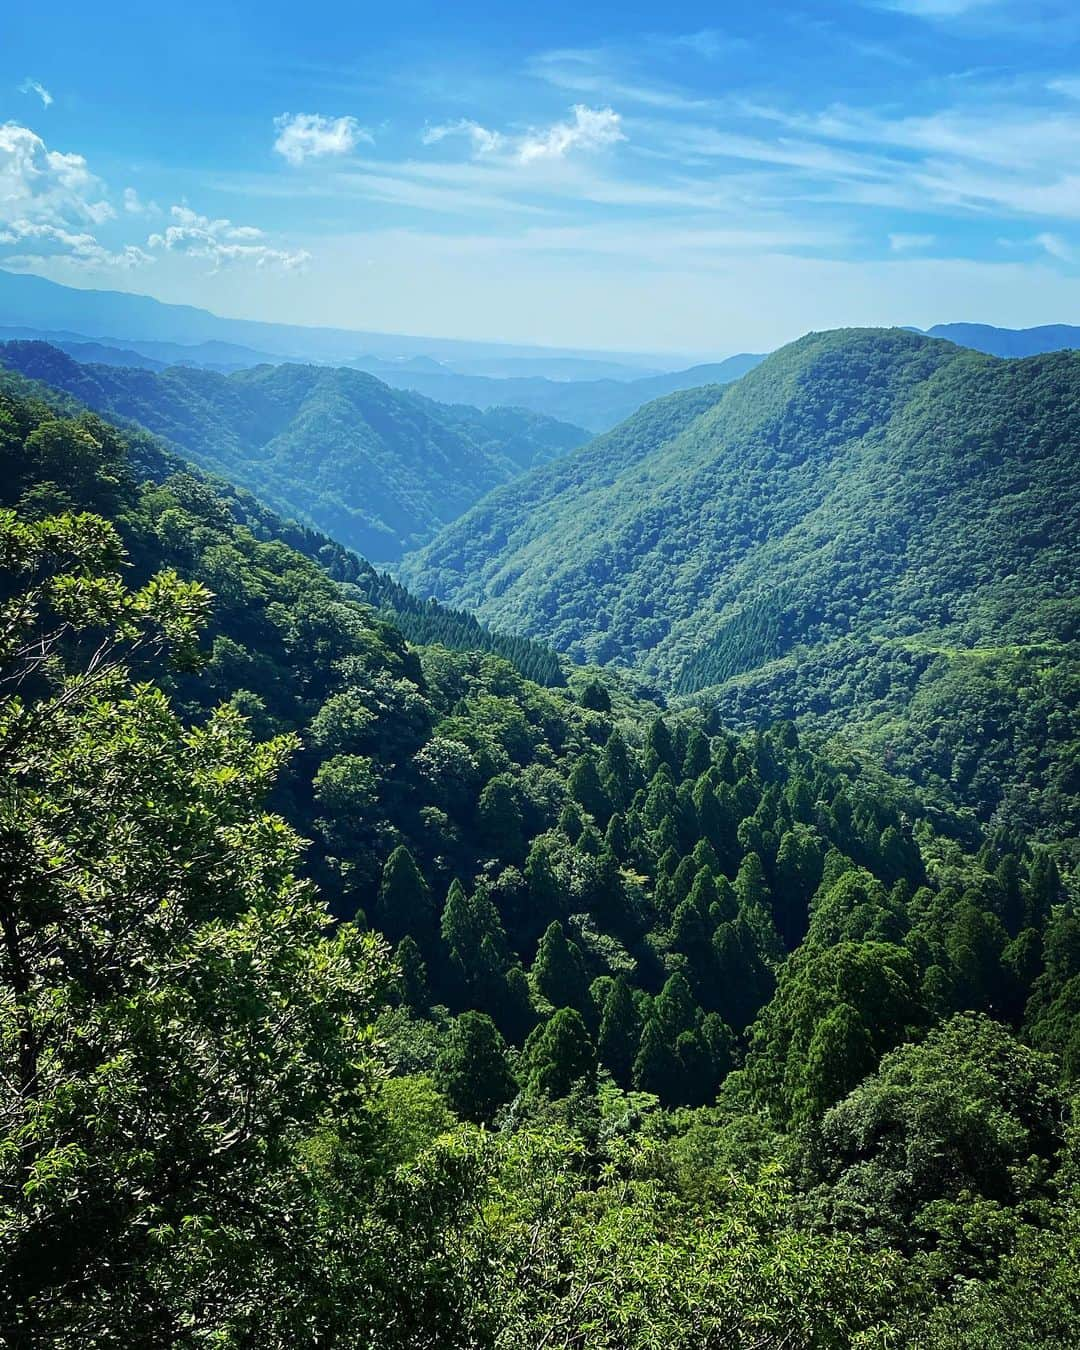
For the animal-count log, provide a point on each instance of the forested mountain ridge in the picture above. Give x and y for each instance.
(751, 1037)
(865, 515)
(750, 1034)
(376, 468)
(148, 458)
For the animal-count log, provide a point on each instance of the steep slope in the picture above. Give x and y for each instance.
(376, 468)
(755, 1037)
(148, 460)
(856, 488)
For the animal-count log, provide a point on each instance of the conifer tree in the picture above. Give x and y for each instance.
(412, 979)
(659, 748)
(545, 893)
(515, 1013)
(559, 1054)
(620, 1032)
(586, 789)
(499, 821)
(559, 970)
(1010, 883)
(656, 1067)
(840, 1055)
(403, 905)
(698, 757)
(475, 944)
(472, 1069)
(674, 1007)
(1043, 889)
(616, 770)
(615, 838)
(570, 822)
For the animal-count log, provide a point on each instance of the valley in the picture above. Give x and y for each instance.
(670, 870)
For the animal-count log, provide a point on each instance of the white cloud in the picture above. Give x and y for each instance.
(222, 243)
(36, 87)
(936, 9)
(484, 142)
(910, 243)
(73, 248)
(37, 183)
(591, 129)
(708, 43)
(135, 206)
(1055, 246)
(303, 136)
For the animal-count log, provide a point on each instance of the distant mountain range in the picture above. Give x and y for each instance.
(595, 404)
(379, 469)
(1052, 337)
(122, 319)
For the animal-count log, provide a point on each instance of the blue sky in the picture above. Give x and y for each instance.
(682, 177)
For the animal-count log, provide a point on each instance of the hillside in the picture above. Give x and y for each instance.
(866, 515)
(744, 1028)
(375, 468)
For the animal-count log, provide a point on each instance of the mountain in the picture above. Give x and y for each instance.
(595, 404)
(575, 1023)
(1053, 337)
(98, 353)
(873, 531)
(120, 316)
(554, 367)
(377, 468)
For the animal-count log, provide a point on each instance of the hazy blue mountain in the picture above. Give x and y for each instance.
(87, 353)
(595, 404)
(982, 337)
(379, 469)
(32, 301)
(556, 368)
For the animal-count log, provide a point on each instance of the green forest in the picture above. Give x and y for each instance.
(872, 533)
(370, 979)
(376, 468)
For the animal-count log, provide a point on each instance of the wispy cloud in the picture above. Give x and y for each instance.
(222, 243)
(1055, 246)
(303, 136)
(590, 129)
(135, 206)
(36, 87)
(586, 129)
(599, 73)
(76, 249)
(483, 141)
(910, 243)
(937, 9)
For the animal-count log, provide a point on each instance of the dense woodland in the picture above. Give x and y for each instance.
(871, 533)
(378, 469)
(363, 991)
